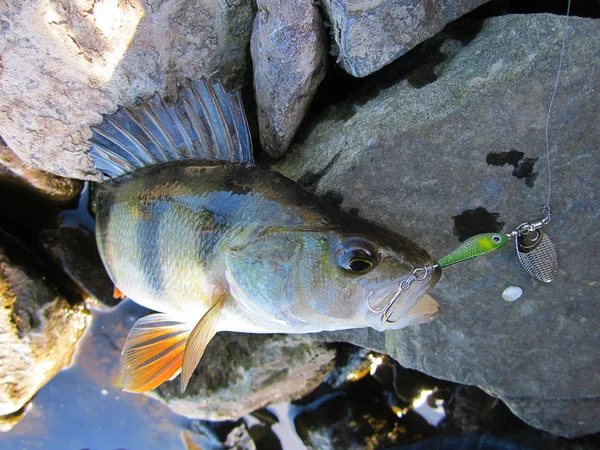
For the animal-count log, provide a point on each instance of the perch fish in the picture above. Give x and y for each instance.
(190, 227)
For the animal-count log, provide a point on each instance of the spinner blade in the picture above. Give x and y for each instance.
(538, 255)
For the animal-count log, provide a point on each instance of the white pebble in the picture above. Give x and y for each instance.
(511, 293)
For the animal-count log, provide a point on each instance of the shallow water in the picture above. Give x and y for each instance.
(84, 406)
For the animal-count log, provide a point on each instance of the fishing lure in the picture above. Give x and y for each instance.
(473, 247)
(480, 244)
(534, 248)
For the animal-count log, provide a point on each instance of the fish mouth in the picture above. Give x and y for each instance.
(387, 304)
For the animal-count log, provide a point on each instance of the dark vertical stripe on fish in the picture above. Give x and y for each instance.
(147, 239)
(213, 229)
(209, 230)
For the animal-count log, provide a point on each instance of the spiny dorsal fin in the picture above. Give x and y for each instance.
(153, 352)
(206, 124)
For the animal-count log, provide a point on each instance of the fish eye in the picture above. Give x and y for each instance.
(357, 256)
(360, 265)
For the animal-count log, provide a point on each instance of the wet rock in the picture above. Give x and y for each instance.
(52, 187)
(413, 156)
(473, 411)
(64, 64)
(240, 373)
(261, 430)
(352, 364)
(74, 250)
(239, 439)
(367, 35)
(9, 421)
(202, 437)
(341, 421)
(289, 54)
(39, 330)
(71, 242)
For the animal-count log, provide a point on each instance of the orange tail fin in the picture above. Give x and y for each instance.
(153, 352)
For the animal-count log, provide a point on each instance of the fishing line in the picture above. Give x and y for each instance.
(547, 210)
(533, 246)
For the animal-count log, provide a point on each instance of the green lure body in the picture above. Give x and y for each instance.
(474, 246)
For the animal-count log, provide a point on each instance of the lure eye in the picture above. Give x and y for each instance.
(357, 256)
(497, 239)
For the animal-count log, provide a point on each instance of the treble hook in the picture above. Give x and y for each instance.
(419, 274)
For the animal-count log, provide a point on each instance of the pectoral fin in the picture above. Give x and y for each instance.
(153, 352)
(199, 338)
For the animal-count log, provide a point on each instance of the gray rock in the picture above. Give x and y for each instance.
(240, 373)
(472, 411)
(49, 186)
(39, 330)
(66, 63)
(72, 245)
(413, 158)
(369, 34)
(289, 55)
(200, 437)
(239, 439)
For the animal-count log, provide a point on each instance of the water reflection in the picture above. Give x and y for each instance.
(84, 407)
(431, 409)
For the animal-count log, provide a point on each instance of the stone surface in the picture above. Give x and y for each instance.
(239, 439)
(71, 242)
(472, 411)
(240, 373)
(413, 155)
(39, 332)
(289, 55)
(64, 63)
(52, 187)
(202, 438)
(8, 422)
(352, 422)
(368, 34)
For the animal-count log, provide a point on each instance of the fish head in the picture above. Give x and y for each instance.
(306, 280)
(372, 264)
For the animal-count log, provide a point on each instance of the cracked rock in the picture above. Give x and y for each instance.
(49, 186)
(39, 330)
(289, 55)
(367, 35)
